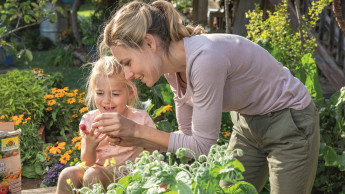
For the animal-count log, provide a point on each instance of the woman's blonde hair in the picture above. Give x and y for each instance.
(107, 66)
(129, 26)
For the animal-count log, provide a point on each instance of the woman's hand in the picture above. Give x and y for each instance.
(120, 130)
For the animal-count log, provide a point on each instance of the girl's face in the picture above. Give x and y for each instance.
(112, 95)
(139, 64)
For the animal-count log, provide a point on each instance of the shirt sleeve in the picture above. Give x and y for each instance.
(148, 121)
(208, 78)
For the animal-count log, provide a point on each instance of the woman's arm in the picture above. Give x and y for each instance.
(126, 132)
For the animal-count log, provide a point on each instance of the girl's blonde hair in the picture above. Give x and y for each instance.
(107, 66)
(129, 26)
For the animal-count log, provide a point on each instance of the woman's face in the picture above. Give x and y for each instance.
(111, 95)
(138, 64)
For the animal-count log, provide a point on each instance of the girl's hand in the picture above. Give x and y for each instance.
(121, 131)
(92, 138)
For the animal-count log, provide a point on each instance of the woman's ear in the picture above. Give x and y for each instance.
(150, 42)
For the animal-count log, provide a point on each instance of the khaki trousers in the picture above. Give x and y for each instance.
(283, 145)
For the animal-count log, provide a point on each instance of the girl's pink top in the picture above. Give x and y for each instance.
(121, 154)
(228, 73)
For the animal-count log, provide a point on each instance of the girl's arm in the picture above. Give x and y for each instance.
(89, 142)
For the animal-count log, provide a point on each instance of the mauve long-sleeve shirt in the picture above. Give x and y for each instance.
(228, 73)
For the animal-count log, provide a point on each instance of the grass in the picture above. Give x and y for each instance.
(74, 77)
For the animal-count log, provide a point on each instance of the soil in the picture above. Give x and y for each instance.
(30, 183)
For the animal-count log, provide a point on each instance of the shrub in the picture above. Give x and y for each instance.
(64, 109)
(22, 94)
(21, 97)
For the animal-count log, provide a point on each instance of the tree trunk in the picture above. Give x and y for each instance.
(200, 8)
(75, 8)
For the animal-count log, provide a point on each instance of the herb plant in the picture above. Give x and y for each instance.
(150, 172)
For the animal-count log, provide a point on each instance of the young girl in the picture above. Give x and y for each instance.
(108, 91)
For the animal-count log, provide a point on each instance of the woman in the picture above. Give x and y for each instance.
(275, 121)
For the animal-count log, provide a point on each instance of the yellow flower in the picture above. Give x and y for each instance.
(70, 94)
(225, 134)
(81, 100)
(167, 108)
(51, 102)
(106, 163)
(65, 89)
(71, 100)
(48, 96)
(2, 116)
(82, 165)
(47, 149)
(77, 145)
(75, 91)
(47, 159)
(75, 139)
(65, 158)
(69, 181)
(59, 95)
(113, 162)
(75, 159)
(84, 109)
(49, 108)
(54, 90)
(57, 147)
(75, 115)
(69, 152)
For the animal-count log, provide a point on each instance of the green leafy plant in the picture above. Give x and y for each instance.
(277, 31)
(150, 172)
(276, 36)
(62, 57)
(21, 94)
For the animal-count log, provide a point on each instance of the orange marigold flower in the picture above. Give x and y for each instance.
(49, 108)
(47, 149)
(54, 90)
(75, 159)
(64, 158)
(167, 108)
(84, 109)
(225, 134)
(59, 95)
(75, 139)
(81, 100)
(51, 102)
(77, 146)
(69, 95)
(71, 100)
(48, 96)
(57, 147)
(2, 116)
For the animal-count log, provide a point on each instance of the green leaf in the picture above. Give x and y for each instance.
(240, 188)
(29, 172)
(28, 54)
